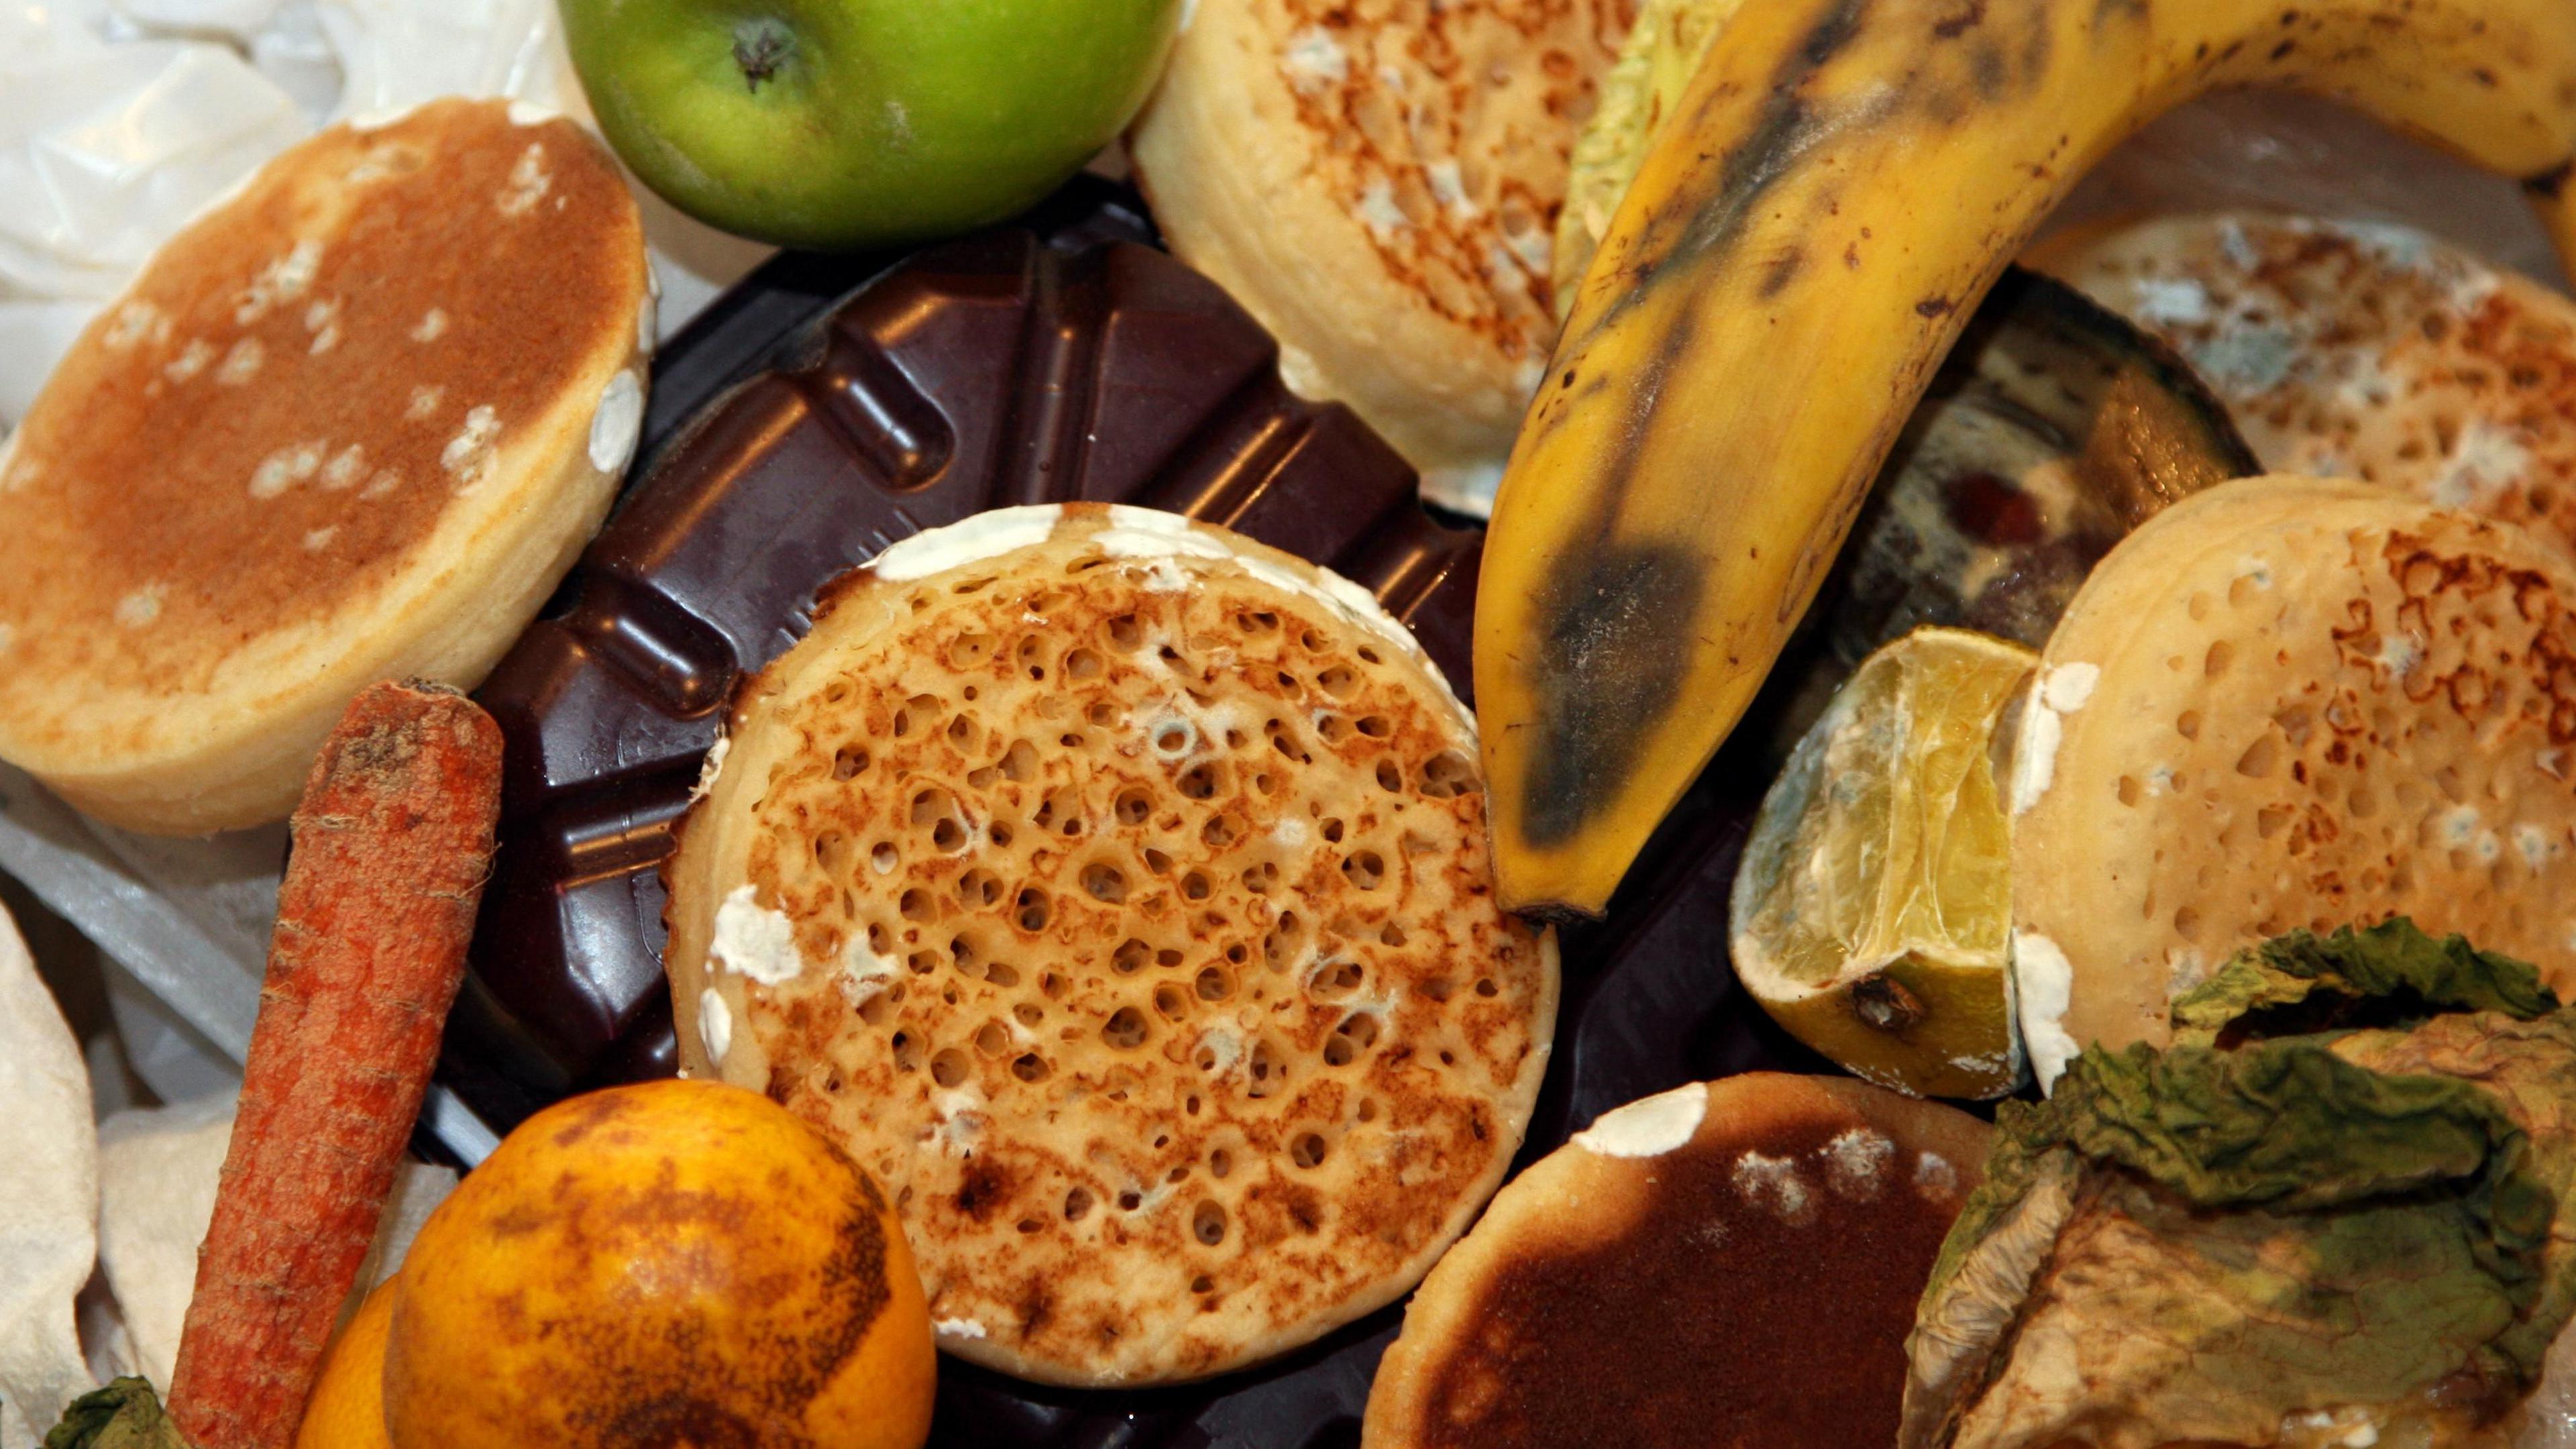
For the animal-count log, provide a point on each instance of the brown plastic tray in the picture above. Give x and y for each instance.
(830, 406)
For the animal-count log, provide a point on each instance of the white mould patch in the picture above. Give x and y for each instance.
(192, 360)
(2488, 458)
(2171, 302)
(1379, 209)
(241, 362)
(959, 1123)
(715, 1024)
(2069, 687)
(710, 769)
(1449, 187)
(1220, 1049)
(2043, 987)
(1649, 1126)
(424, 402)
(1934, 1176)
(1856, 1163)
(1314, 59)
(864, 973)
(528, 183)
(285, 468)
(344, 468)
(138, 609)
(432, 325)
(1773, 1182)
(2062, 691)
(471, 455)
(2399, 653)
(322, 319)
(2459, 826)
(2185, 969)
(380, 486)
(958, 1328)
(2035, 755)
(755, 941)
(134, 323)
(283, 280)
(617, 423)
(318, 539)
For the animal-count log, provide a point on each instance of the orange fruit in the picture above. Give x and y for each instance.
(672, 1263)
(347, 1409)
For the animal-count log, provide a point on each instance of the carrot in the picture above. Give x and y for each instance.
(392, 844)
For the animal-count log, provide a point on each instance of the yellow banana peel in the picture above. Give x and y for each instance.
(1838, 187)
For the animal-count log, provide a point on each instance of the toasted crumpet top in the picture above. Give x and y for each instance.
(2359, 350)
(1380, 188)
(1729, 1263)
(243, 463)
(1117, 890)
(2289, 703)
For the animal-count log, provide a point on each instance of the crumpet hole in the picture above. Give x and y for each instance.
(1207, 1223)
(1447, 775)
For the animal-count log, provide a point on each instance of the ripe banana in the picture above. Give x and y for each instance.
(1839, 185)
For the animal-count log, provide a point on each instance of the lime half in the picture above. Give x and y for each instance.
(1873, 908)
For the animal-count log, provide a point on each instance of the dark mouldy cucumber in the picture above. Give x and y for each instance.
(2053, 429)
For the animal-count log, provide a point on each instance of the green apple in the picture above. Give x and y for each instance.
(851, 123)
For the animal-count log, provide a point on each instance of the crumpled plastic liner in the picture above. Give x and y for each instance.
(123, 119)
(48, 1200)
(99, 1224)
(158, 1169)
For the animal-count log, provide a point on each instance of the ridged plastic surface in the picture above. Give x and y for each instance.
(799, 428)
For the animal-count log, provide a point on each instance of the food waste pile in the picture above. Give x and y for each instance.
(1043, 830)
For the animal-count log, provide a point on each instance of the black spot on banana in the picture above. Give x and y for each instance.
(1662, 529)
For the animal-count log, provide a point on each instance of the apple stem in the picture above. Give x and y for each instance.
(760, 48)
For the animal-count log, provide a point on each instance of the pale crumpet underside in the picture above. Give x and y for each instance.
(1117, 890)
(353, 423)
(1380, 188)
(2290, 703)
